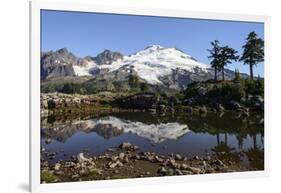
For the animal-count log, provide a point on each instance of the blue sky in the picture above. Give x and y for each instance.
(89, 34)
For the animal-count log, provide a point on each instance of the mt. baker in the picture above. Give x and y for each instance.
(155, 65)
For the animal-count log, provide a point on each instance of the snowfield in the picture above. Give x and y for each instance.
(151, 63)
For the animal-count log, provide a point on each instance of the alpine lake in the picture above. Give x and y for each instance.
(228, 136)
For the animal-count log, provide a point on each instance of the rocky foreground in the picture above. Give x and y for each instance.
(127, 161)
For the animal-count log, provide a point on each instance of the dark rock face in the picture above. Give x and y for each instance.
(56, 64)
(139, 101)
(107, 57)
(60, 63)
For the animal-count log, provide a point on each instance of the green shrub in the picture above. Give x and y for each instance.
(48, 177)
(227, 92)
(254, 87)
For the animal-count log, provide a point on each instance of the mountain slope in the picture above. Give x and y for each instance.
(155, 65)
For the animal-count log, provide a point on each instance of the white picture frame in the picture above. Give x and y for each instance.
(36, 6)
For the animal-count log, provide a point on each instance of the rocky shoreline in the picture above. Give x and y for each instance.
(126, 161)
(59, 104)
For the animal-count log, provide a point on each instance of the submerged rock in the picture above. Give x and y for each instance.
(128, 146)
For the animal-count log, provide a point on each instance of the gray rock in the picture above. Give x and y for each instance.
(81, 158)
(218, 162)
(48, 141)
(128, 146)
(75, 176)
(162, 171)
(170, 172)
(147, 173)
(121, 156)
(57, 166)
(178, 172)
(178, 157)
(186, 172)
(194, 170)
(112, 165)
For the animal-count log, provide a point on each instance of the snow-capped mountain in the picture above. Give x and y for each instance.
(156, 65)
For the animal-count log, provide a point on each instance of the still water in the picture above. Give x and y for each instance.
(228, 136)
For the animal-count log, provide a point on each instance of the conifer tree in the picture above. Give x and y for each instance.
(214, 57)
(253, 52)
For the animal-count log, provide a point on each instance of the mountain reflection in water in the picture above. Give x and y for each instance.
(228, 136)
(110, 126)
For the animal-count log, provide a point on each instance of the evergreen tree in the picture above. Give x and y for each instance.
(226, 56)
(237, 77)
(214, 56)
(253, 51)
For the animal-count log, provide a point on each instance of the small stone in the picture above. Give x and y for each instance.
(114, 158)
(209, 170)
(162, 171)
(207, 158)
(128, 146)
(48, 141)
(178, 157)
(126, 160)
(75, 176)
(184, 166)
(172, 162)
(81, 158)
(158, 159)
(170, 172)
(150, 158)
(218, 162)
(196, 158)
(194, 170)
(137, 157)
(204, 163)
(178, 172)
(121, 156)
(119, 164)
(112, 165)
(57, 166)
(186, 172)
(83, 172)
